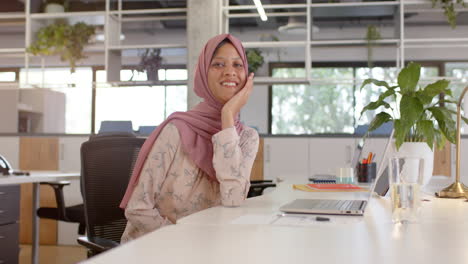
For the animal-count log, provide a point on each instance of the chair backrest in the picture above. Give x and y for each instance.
(106, 166)
(116, 126)
(146, 130)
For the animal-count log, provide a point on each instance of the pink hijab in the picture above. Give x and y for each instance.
(197, 126)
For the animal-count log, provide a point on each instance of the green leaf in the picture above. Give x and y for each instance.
(426, 128)
(462, 117)
(448, 101)
(400, 133)
(389, 92)
(437, 88)
(445, 122)
(424, 98)
(378, 120)
(409, 78)
(410, 110)
(439, 139)
(376, 82)
(380, 101)
(375, 105)
(450, 124)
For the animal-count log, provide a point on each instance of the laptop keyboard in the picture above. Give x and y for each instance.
(335, 204)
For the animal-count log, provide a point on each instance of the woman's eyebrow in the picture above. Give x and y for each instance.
(223, 58)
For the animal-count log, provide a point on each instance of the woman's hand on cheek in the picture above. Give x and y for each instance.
(232, 107)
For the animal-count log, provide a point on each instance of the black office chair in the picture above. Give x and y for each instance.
(107, 164)
(71, 214)
(74, 213)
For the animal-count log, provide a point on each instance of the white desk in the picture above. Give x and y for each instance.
(35, 178)
(210, 237)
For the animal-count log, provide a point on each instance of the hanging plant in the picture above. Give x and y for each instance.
(372, 35)
(64, 40)
(449, 9)
(255, 59)
(150, 62)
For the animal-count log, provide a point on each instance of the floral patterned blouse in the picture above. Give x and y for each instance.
(171, 186)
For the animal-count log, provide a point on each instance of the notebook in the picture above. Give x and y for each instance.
(341, 207)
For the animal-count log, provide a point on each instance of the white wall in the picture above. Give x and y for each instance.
(9, 149)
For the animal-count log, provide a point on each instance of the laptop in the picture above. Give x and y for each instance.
(342, 207)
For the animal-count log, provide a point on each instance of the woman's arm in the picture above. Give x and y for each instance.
(233, 161)
(142, 210)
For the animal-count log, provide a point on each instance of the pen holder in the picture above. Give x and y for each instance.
(366, 172)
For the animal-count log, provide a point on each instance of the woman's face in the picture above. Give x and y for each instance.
(226, 75)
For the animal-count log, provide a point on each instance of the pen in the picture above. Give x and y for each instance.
(369, 158)
(305, 216)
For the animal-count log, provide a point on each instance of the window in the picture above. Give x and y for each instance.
(143, 105)
(7, 76)
(77, 88)
(331, 103)
(459, 72)
(320, 107)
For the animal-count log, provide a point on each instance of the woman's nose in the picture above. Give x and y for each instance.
(229, 70)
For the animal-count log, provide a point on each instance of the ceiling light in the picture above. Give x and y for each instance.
(296, 26)
(260, 10)
(100, 37)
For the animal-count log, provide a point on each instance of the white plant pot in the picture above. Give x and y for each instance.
(54, 8)
(422, 150)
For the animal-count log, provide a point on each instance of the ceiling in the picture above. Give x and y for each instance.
(322, 17)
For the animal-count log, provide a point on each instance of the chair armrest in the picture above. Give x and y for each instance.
(56, 183)
(256, 189)
(58, 190)
(96, 244)
(261, 181)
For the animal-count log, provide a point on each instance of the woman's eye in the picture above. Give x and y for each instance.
(238, 65)
(218, 64)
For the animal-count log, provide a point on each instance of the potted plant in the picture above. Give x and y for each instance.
(420, 117)
(62, 39)
(372, 35)
(449, 9)
(254, 58)
(150, 62)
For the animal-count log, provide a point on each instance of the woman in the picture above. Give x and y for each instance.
(199, 158)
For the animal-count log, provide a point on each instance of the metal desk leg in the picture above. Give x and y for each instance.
(35, 225)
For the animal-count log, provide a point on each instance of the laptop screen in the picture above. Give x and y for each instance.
(381, 185)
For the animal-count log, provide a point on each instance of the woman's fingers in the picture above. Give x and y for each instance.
(240, 99)
(248, 87)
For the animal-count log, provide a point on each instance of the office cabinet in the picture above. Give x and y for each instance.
(327, 154)
(49, 110)
(9, 99)
(69, 152)
(69, 160)
(286, 158)
(32, 110)
(9, 228)
(38, 153)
